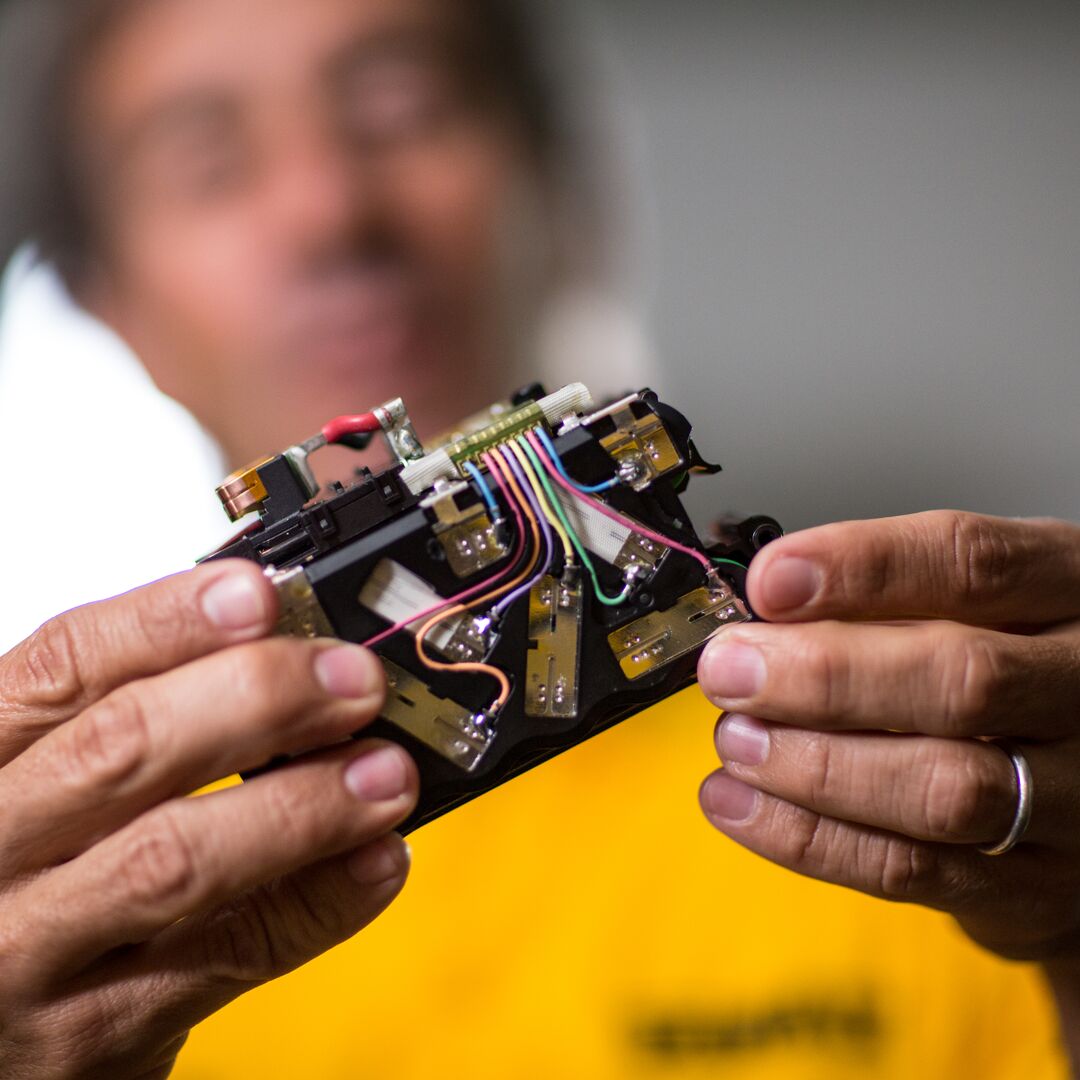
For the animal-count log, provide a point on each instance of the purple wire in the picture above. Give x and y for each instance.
(545, 528)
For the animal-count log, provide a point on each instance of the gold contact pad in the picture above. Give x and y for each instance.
(662, 637)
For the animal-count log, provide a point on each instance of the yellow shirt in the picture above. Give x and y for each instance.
(586, 921)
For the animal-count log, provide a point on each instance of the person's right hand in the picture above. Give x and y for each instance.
(129, 912)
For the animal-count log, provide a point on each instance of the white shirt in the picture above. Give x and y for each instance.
(105, 483)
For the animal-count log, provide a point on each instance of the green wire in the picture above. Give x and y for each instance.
(730, 562)
(556, 505)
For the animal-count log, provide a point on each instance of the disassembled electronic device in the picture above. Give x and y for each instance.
(527, 581)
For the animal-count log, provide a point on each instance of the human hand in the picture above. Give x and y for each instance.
(853, 742)
(128, 912)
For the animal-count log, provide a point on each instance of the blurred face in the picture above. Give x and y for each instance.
(301, 206)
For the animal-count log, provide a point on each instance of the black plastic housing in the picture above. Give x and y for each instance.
(340, 539)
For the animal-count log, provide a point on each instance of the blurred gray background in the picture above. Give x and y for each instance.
(864, 232)
(862, 242)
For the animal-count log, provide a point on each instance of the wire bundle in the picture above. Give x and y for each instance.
(524, 470)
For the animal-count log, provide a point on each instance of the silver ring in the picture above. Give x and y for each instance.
(1024, 785)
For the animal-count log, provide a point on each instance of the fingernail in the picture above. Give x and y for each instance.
(728, 799)
(742, 740)
(348, 671)
(732, 670)
(235, 602)
(790, 583)
(378, 775)
(382, 861)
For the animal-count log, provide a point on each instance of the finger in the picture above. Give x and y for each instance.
(1069, 631)
(78, 657)
(957, 791)
(192, 854)
(943, 564)
(935, 677)
(1014, 904)
(198, 966)
(171, 734)
(873, 861)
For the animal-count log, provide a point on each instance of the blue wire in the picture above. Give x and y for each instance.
(595, 489)
(485, 490)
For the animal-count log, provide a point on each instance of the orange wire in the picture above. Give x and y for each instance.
(458, 609)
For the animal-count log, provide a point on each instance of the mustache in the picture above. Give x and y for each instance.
(345, 289)
(353, 257)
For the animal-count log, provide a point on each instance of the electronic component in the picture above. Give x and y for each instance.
(444, 726)
(553, 668)
(641, 446)
(661, 637)
(468, 537)
(397, 594)
(491, 571)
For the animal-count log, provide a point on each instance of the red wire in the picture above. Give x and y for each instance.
(338, 428)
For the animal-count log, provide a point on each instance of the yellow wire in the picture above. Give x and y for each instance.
(541, 498)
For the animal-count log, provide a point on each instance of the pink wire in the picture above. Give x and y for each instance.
(658, 538)
(428, 612)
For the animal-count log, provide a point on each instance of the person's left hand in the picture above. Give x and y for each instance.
(854, 743)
